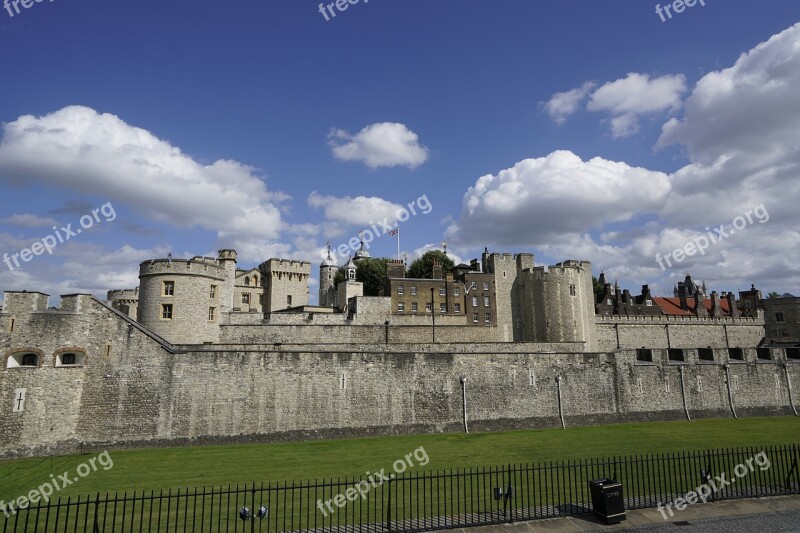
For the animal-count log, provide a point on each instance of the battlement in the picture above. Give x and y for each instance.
(123, 294)
(24, 302)
(197, 266)
(286, 265)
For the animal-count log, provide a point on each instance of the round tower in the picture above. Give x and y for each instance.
(180, 300)
(327, 272)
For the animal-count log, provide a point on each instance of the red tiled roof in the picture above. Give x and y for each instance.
(672, 306)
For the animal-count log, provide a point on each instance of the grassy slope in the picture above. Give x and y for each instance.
(215, 465)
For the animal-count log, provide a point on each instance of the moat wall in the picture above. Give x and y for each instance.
(137, 390)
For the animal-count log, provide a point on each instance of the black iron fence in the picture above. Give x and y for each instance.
(424, 501)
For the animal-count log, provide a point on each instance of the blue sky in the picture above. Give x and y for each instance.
(570, 129)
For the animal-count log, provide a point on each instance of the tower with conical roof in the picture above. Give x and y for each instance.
(362, 252)
(327, 273)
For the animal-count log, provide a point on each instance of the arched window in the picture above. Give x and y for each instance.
(69, 358)
(23, 360)
(255, 280)
(247, 280)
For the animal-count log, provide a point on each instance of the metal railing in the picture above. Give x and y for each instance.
(422, 501)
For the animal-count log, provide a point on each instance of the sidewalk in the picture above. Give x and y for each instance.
(781, 512)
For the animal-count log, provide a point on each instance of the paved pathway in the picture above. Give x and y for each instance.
(779, 513)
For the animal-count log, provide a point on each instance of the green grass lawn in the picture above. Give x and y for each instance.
(220, 465)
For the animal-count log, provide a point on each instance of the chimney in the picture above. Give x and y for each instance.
(700, 303)
(437, 270)
(734, 309)
(716, 310)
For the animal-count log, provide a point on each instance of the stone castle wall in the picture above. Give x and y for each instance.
(137, 390)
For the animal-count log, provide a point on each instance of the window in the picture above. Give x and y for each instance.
(765, 354)
(736, 354)
(779, 317)
(442, 291)
(705, 354)
(351, 274)
(457, 291)
(649, 303)
(474, 285)
(211, 312)
(23, 360)
(457, 308)
(70, 359)
(255, 281)
(289, 300)
(413, 307)
(644, 355)
(213, 292)
(608, 302)
(169, 288)
(400, 289)
(442, 308)
(413, 290)
(486, 285)
(401, 307)
(572, 290)
(166, 311)
(486, 301)
(675, 354)
(793, 353)
(487, 318)
(247, 280)
(245, 297)
(474, 301)
(475, 317)
(428, 307)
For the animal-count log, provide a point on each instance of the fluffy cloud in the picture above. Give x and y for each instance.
(741, 131)
(385, 144)
(358, 211)
(562, 105)
(538, 200)
(99, 154)
(624, 100)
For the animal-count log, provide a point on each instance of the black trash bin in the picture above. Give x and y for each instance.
(607, 500)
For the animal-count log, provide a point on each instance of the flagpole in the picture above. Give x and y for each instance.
(398, 243)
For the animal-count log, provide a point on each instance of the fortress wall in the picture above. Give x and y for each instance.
(143, 395)
(689, 333)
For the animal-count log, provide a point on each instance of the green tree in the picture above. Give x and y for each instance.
(422, 268)
(371, 272)
(339, 276)
(597, 286)
(773, 294)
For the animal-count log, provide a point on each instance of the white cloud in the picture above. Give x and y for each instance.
(627, 99)
(29, 220)
(542, 199)
(384, 144)
(561, 105)
(84, 151)
(741, 131)
(358, 211)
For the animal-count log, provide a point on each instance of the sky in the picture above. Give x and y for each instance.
(649, 140)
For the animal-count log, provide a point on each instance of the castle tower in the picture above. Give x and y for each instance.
(181, 300)
(507, 269)
(362, 252)
(559, 303)
(285, 284)
(227, 259)
(327, 272)
(125, 301)
(349, 288)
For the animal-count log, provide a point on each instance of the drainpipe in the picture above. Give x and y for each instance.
(730, 391)
(789, 387)
(464, 397)
(560, 409)
(683, 393)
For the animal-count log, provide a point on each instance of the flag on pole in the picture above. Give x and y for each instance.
(394, 232)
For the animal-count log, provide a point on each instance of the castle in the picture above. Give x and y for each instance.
(203, 351)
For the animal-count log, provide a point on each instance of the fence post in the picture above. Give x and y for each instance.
(389, 507)
(96, 527)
